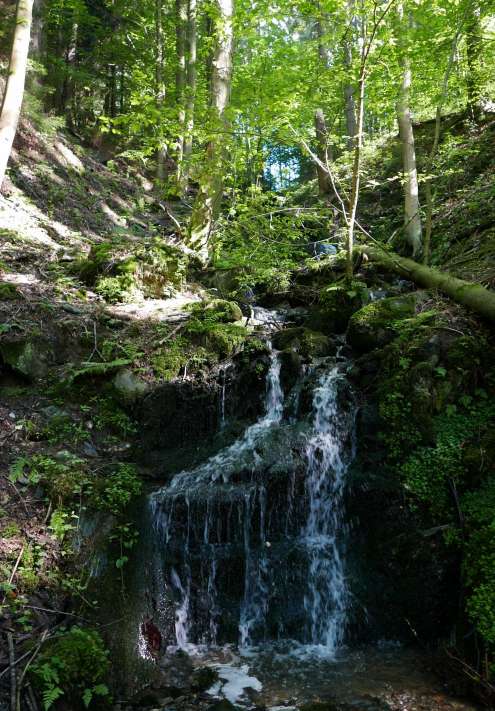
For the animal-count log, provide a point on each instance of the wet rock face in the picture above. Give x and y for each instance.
(179, 418)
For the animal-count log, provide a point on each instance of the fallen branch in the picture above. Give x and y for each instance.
(473, 296)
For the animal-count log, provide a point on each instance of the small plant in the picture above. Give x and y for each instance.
(115, 491)
(74, 665)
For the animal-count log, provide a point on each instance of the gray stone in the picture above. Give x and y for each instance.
(129, 387)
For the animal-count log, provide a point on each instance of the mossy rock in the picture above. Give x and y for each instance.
(118, 272)
(225, 340)
(129, 387)
(8, 292)
(375, 325)
(29, 358)
(337, 304)
(304, 341)
(225, 311)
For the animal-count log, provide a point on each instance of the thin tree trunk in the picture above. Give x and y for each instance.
(180, 80)
(412, 215)
(207, 205)
(162, 150)
(367, 41)
(356, 170)
(349, 103)
(324, 182)
(16, 78)
(474, 55)
(474, 296)
(191, 79)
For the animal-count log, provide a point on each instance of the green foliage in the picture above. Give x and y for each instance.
(74, 665)
(114, 492)
(118, 289)
(431, 471)
(437, 428)
(263, 239)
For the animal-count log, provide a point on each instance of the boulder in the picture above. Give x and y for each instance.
(337, 304)
(303, 341)
(129, 387)
(375, 325)
(29, 358)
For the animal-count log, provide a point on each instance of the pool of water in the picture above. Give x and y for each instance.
(385, 677)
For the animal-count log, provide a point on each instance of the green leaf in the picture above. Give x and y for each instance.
(87, 696)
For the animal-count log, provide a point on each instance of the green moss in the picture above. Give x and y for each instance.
(304, 341)
(378, 323)
(8, 292)
(118, 271)
(337, 304)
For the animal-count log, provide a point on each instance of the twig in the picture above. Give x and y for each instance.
(24, 671)
(172, 217)
(55, 612)
(13, 678)
(17, 661)
(16, 491)
(14, 571)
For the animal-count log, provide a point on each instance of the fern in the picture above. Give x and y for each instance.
(50, 695)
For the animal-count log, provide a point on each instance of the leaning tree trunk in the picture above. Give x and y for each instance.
(412, 215)
(16, 78)
(474, 296)
(207, 204)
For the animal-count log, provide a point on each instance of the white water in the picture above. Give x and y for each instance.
(187, 515)
(327, 596)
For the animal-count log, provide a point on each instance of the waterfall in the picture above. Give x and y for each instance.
(326, 599)
(250, 542)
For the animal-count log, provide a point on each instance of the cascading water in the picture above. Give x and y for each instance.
(249, 545)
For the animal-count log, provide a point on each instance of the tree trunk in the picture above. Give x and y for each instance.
(412, 215)
(162, 150)
(356, 169)
(474, 55)
(191, 79)
(474, 296)
(16, 78)
(349, 103)
(207, 205)
(324, 182)
(180, 80)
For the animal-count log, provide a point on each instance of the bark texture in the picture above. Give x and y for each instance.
(473, 296)
(191, 82)
(16, 78)
(324, 182)
(207, 204)
(412, 215)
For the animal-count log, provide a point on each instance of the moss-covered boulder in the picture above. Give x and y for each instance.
(224, 311)
(375, 325)
(30, 358)
(120, 271)
(337, 304)
(303, 341)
